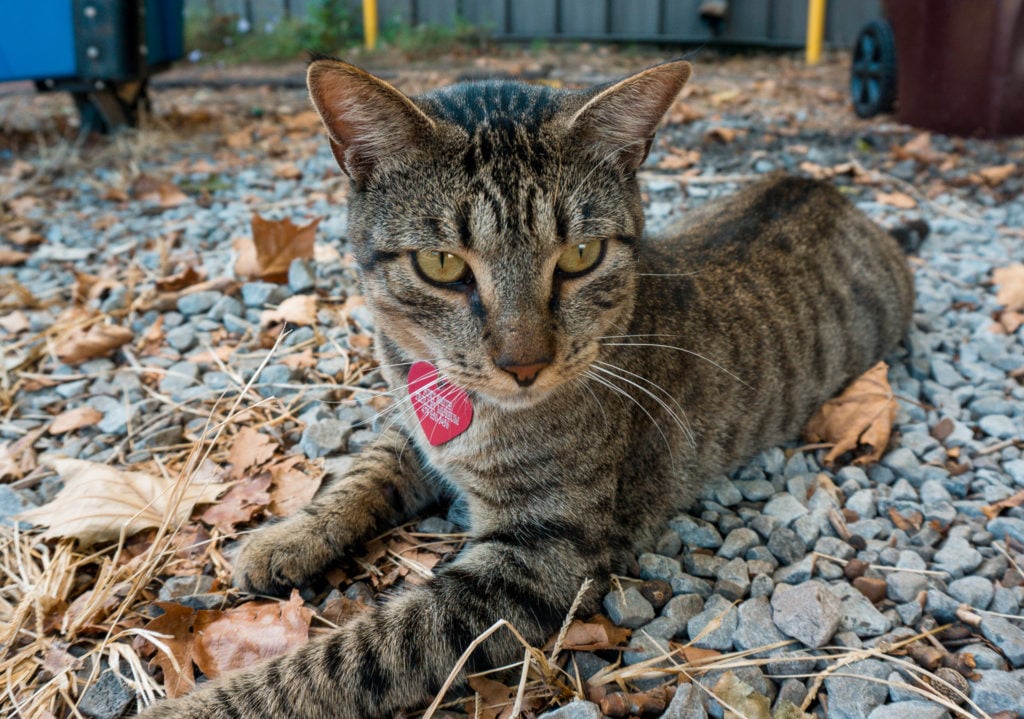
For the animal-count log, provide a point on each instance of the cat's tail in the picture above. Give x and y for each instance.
(910, 235)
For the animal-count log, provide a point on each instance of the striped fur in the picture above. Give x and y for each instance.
(670, 361)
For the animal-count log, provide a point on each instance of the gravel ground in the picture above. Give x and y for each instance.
(846, 560)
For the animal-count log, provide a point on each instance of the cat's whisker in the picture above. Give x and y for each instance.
(619, 390)
(681, 422)
(698, 355)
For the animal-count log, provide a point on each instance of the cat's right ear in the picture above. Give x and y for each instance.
(369, 122)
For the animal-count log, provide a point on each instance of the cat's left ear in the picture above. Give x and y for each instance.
(619, 121)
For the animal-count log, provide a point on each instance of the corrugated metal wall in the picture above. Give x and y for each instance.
(780, 23)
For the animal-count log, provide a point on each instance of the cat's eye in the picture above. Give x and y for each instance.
(442, 268)
(579, 258)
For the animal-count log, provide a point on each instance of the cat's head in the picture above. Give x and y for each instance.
(495, 223)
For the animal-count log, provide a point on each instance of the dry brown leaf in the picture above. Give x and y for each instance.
(679, 159)
(275, 243)
(695, 655)
(861, 417)
(593, 634)
(23, 236)
(918, 148)
(176, 627)
(8, 462)
(287, 171)
(239, 504)
(896, 199)
(161, 192)
(307, 120)
(98, 501)
(997, 174)
(98, 341)
(720, 134)
(1011, 286)
(741, 697)
(993, 510)
(239, 139)
(496, 699)
(340, 609)
(12, 258)
(296, 310)
(299, 360)
(1008, 322)
(292, 488)
(250, 448)
(15, 322)
(73, 419)
(180, 280)
(250, 632)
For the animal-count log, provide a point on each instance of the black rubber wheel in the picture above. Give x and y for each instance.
(873, 76)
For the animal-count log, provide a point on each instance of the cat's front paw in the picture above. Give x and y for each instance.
(279, 557)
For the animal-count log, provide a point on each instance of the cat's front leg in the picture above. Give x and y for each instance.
(400, 655)
(385, 485)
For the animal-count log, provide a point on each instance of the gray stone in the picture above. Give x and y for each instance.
(786, 545)
(198, 302)
(182, 338)
(985, 657)
(327, 436)
(974, 591)
(808, 612)
(628, 607)
(576, 709)
(1003, 527)
(756, 628)
(1008, 637)
(109, 698)
(688, 584)
(643, 647)
(235, 324)
(903, 462)
(225, 307)
(656, 566)
(12, 503)
(660, 627)
(716, 609)
(681, 609)
(587, 663)
(791, 691)
(1004, 601)
(179, 377)
(688, 703)
(853, 698)
(958, 557)
(703, 565)
(941, 606)
(258, 294)
(733, 580)
(796, 573)
(904, 586)
(863, 503)
(696, 532)
(909, 613)
(785, 508)
(301, 275)
(999, 426)
(998, 691)
(909, 710)
(761, 586)
(1014, 468)
(859, 615)
(755, 490)
(738, 542)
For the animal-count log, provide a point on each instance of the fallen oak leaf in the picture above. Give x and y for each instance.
(180, 280)
(248, 633)
(250, 448)
(997, 174)
(177, 634)
(1010, 281)
(296, 310)
(275, 243)
(993, 510)
(160, 192)
(99, 340)
(896, 199)
(239, 504)
(73, 419)
(98, 501)
(15, 322)
(496, 700)
(861, 416)
(12, 258)
(292, 488)
(592, 635)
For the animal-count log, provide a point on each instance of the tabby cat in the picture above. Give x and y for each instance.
(576, 380)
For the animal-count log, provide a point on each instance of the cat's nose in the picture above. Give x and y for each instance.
(524, 374)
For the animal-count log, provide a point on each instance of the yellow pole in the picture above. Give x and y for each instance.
(815, 30)
(370, 23)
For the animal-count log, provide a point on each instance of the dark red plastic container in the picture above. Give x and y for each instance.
(960, 64)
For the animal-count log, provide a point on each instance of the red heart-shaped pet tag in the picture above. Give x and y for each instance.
(444, 410)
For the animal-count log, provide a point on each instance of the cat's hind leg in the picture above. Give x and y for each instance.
(385, 486)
